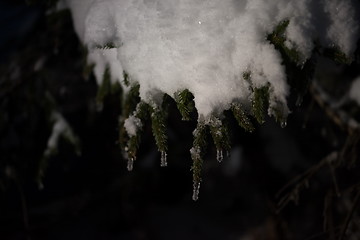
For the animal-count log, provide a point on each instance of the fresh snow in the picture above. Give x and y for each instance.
(132, 124)
(60, 128)
(205, 46)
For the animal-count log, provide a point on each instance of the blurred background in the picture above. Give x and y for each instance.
(79, 188)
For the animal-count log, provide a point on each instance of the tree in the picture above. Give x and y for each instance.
(244, 61)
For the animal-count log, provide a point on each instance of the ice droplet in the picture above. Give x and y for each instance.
(283, 123)
(130, 164)
(219, 155)
(196, 191)
(163, 159)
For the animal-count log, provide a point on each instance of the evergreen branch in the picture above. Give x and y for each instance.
(105, 87)
(241, 117)
(129, 105)
(132, 146)
(260, 103)
(197, 152)
(247, 76)
(338, 56)
(185, 103)
(141, 113)
(126, 78)
(279, 111)
(132, 98)
(220, 136)
(278, 38)
(108, 45)
(158, 125)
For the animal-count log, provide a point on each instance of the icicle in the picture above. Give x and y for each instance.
(130, 164)
(219, 155)
(163, 159)
(196, 191)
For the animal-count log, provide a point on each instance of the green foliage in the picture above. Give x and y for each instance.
(277, 37)
(105, 87)
(132, 145)
(220, 135)
(197, 153)
(241, 117)
(158, 124)
(108, 45)
(185, 104)
(279, 111)
(130, 102)
(335, 54)
(260, 103)
(126, 78)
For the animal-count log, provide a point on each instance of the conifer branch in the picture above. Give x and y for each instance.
(220, 135)
(197, 153)
(142, 114)
(260, 103)
(278, 38)
(108, 45)
(158, 124)
(241, 117)
(185, 103)
(105, 87)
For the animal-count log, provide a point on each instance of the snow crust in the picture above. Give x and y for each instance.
(132, 124)
(205, 46)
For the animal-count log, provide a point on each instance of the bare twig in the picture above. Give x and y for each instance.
(350, 215)
(301, 181)
(328, 215)
(332, 109)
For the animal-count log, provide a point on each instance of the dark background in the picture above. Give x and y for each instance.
(92, 196)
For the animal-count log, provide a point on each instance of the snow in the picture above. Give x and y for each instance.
(60, 129)
(355, 90)
(205, 46)
(132, 124)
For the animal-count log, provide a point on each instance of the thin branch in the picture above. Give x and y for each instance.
(332, 109)
(302, 181)
(350, 215)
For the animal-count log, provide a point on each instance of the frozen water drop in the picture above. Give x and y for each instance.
(163, 159)
(130, 164)
(219, 155)
(196, 191)
(283, 123)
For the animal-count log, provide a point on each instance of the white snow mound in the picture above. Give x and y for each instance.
(205, 46)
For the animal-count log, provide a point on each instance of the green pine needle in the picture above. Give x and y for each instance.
(260, 103)
(220, 135)
(105, 87)
(241, 117)
(142, 113)
(158, 125)
(185, 104)
(279, 111)
(108, 45)
(197, 152)
(335, 54)
(277, 38)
